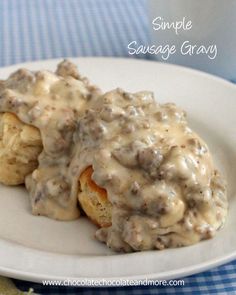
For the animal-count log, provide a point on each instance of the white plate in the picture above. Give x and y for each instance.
(36, 248)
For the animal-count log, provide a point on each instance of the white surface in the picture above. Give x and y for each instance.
(36, 248)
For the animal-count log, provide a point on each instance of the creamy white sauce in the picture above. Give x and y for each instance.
(159, 175)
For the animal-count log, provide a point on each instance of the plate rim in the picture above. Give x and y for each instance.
(168, 275)
(125, 59)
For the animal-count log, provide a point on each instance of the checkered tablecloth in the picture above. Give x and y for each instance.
(43, 29)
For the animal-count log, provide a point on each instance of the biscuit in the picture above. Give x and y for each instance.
(20, 145)
(93, 200)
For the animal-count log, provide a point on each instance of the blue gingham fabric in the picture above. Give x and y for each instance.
(43, 29)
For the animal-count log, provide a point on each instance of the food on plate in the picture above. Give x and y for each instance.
(20, 145)
(158, 174)
(51, 103)
(93, 200)
(134, 166)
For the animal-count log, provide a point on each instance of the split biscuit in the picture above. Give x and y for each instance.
(20, 145)
(93, 200)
